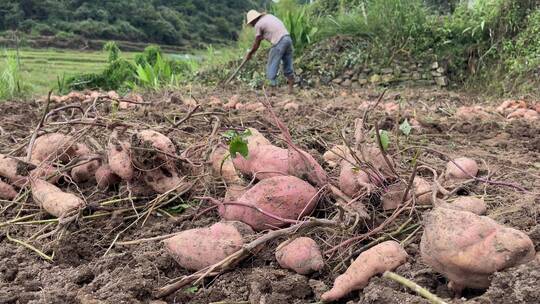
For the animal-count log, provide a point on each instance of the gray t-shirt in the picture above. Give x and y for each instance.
(270, 28)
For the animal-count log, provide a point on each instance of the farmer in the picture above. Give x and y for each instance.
(270, 28)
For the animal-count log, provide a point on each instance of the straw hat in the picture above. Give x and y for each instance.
(252, 15)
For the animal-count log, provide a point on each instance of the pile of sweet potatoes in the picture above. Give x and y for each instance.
(146, 162)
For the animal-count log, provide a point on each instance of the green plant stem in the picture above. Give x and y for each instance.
(415, 287)
(39, 252)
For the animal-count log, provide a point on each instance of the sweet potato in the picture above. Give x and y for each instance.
(158, 141)
(301, 255)
(353, 180)
(302, 165)
(55, 201)
(264, 161)
(287, 197)
(334, 156)
(420, 185)
(395, 192)
(105, 177)
(47, 172)
(82, 149)
(162, 179)
(14, 170)
(119, 158)
(469, 166)
(53, 147)
(198, 248)
(7, 192)
(527, 114)
(467, 203)
(509, 106)
(256, 139)
(222, 166)
(383, 257)
(87, 170)
(467, 248)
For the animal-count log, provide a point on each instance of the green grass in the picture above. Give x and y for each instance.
(40, 68)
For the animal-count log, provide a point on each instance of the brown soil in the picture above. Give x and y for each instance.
(85, 271)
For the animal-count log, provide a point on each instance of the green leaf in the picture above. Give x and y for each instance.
(405, 127)
(230, 134)
(178, 208)
(238, 145)
(246, 133)
(385, 139)
(192, 289)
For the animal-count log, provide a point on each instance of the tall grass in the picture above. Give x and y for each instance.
(12, 84)
(298, 20)
(390, 25)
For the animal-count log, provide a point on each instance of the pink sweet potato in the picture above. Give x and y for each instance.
(301, 255)
(163, 179)
(467, 203)
(264, 161)
(383, 257)
(53, 147)
(87, 170)
(12, 169)
(527, 114)
(469, 166)
(7, 192)
(222, 166)
(395, 192)
(159, 141)
(47, 172)
(119, 158)
(287, 197)
(353, 180)
(334, 156)
(55, 201)
(467, 248)
(105, 177)
(198, 248)
(302, 165)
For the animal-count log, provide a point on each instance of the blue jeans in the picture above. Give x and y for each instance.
(281, 51)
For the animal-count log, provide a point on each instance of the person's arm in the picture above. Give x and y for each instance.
(255, 47)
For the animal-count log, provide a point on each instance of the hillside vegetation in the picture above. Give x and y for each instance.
(182, 23)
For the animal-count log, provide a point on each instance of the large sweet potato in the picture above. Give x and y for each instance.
(12, 169)
(7, 192)
(301, 255)
(467, 203)
(264, 161)
(119, 158)
(302, 165)
(198, 248)
(287, 197)
(54, 147)
(105, 177)
(157, 140)
(55, 201)
(163, 179)
(383, 257)
(86, 170)
(467, 248)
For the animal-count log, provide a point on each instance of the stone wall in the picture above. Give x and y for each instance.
(400, 72)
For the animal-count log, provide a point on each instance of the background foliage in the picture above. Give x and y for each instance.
(174, 22)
